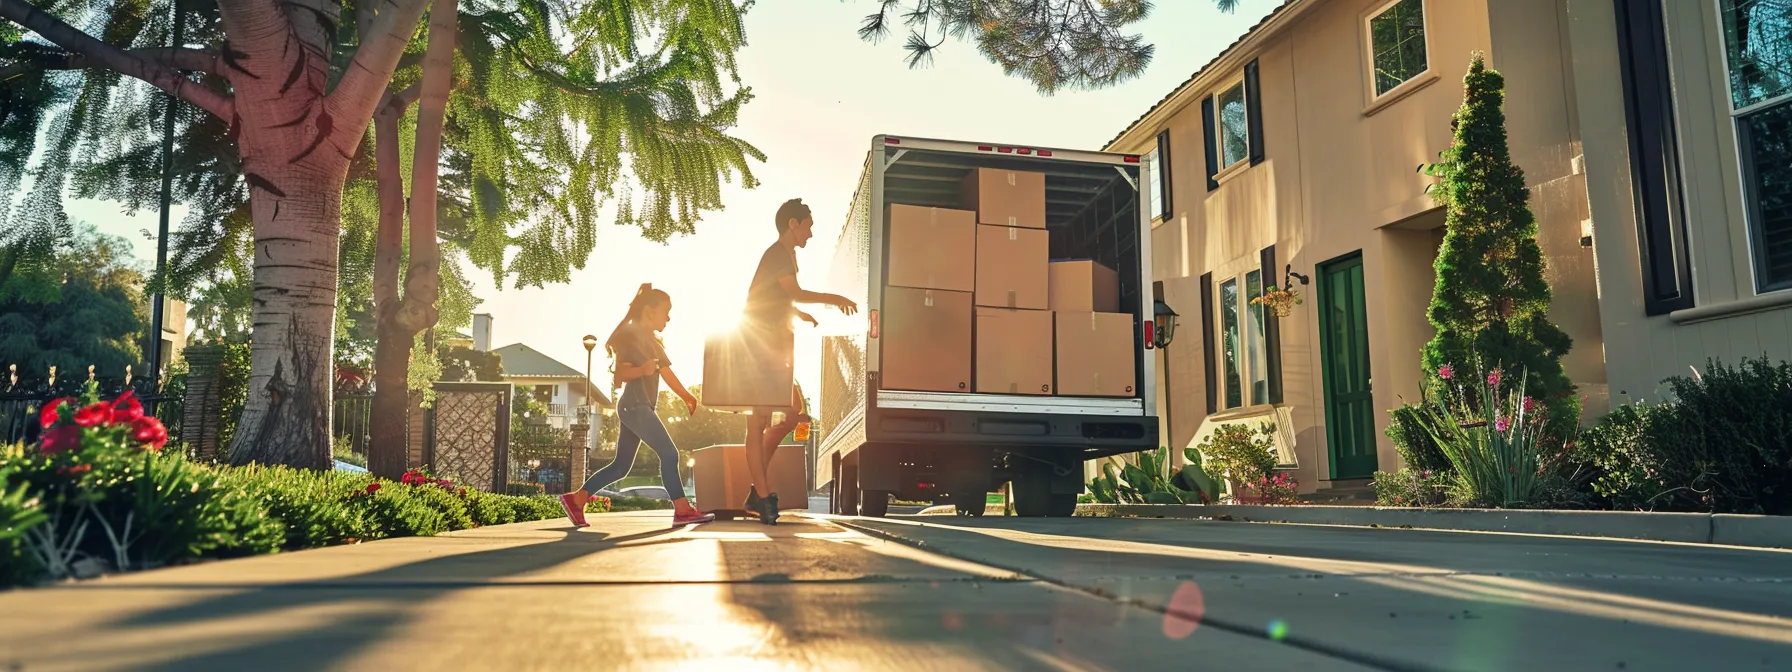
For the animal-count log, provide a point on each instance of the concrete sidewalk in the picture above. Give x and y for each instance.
(628, 593)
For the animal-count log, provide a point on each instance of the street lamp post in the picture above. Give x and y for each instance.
(590, 344)
(1163, 332)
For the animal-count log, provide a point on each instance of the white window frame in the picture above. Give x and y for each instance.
(1219, 124)
(1154, 192)
(1750, 234)
(1400, 89)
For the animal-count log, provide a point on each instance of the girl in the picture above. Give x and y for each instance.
(640, 362)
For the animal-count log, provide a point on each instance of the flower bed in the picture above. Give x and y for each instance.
(98, 494)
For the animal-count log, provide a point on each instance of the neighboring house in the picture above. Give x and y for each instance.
(1295, 152)
(1686, 107)
(560, 387)
(174, 330)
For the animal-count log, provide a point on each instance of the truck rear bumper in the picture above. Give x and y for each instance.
(1096, 435)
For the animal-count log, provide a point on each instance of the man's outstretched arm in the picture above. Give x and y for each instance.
(800, 295)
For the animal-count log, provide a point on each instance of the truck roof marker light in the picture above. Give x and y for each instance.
(1024, 151)
(1132, 159)
(892, 141)
(874, 322)
(985, 148)
(1045, 152)
(1150, 335)
(1005, 150)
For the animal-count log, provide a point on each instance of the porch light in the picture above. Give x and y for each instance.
(1165, 325)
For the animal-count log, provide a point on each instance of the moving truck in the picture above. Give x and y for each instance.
(1008, 309)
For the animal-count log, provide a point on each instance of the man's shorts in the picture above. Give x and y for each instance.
(771, 350)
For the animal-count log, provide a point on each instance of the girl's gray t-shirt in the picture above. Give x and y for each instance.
(635, 345)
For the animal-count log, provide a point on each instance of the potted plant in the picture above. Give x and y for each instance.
(1279, 301)
(1245, 456)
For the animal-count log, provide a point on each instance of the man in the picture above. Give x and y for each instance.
(771, 305)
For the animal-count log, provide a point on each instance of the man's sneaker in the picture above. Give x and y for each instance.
(692, 517)
(574, 512)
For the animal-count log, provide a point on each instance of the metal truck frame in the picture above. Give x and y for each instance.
(956, 447)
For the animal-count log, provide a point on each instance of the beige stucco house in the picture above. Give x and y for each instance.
(1686, 118)
(1294, 156)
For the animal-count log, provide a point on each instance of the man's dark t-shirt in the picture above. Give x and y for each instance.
(768, 305)
(635, 345)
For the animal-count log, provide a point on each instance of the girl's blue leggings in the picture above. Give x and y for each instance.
(640, 423)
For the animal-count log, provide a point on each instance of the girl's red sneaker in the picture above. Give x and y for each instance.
(575, 509)
(691, 517)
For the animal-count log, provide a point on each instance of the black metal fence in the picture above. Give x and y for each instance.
(22, 400)
(353, 421)
(538, 454)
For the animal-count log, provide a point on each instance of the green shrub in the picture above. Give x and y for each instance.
(343, 449)
(1147, 482)
(316, 509)
(1494, 435)
(1723, 444)
(1409, 487)
(486, 509)
(19, 512)
(1418, 450)
(1239, 453)
(638, 504)
(524, 489)
(539, 507)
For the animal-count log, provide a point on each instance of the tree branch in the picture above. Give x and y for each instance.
(97, 54)
(370, 71)
(193, 60)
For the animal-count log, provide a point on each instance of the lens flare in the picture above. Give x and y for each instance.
(1278, 629)
(1186, 609)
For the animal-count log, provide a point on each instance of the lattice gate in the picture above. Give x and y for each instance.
(469, 434)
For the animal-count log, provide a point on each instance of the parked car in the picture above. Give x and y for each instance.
(647, 492)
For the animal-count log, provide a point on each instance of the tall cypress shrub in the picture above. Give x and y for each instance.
(1491, 302)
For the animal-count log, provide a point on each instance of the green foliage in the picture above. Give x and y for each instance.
(464, 364)
(1723, 444)
(638, 504)
(522, 489)
(1491, 302)
(1412, 487)
(1058, 44)
(344, 450)
(1239, 453)
(1495, 436)
(19, 512)
(1149, 482)
(83, 307)
(1418, 451)
(233, 390)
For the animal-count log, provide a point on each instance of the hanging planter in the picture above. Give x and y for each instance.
(1278, 301)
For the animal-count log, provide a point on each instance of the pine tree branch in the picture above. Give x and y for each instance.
(102, 55)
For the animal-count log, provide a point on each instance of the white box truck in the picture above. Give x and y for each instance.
(877, 442)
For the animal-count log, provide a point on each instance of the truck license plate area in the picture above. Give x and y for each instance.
(1013, 428)
(911, 425)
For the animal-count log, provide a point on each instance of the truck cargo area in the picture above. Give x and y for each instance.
(881, 440)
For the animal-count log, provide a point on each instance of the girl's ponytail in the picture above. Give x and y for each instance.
(635, 306)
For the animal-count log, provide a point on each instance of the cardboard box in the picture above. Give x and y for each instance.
(722, 478)
(1005, 197)
(926, 339)
(1013, 268)
(733, 377)
(932, 248)
(1083, 287)
(1014, 351)
(1096, 355)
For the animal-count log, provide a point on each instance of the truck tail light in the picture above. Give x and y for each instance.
(1004, 150)
(892, 141)
(1132, 159)
(1150, 335)
(1024, 151)
(985, 148)
(874, 325)
(1045, 152)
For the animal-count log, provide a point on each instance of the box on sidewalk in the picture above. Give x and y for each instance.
(1095, 354)
(1014, 351)
(1083, 287)
(734, 378)
(926, 338)
(1013, 268)
(722, 477)
(1005, 197)
(932, 248)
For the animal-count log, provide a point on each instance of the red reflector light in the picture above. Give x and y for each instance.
(1024, 150)
(873, 324)
(1005, 150)
(1045, 152)
(984, 148)
(1132, 159)
(1150, 335)
(892, 141)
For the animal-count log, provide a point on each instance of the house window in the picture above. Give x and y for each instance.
(1758, 55)
(1154, 191)
(1229, 345)
(1255, 349)
(1161, 180)
(1397, 44)
(1234, 137)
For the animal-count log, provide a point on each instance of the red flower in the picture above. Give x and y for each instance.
(93, 415)
(74, 470)
(407, 477)
(1445, 372)
(373, 488)
(61, 439)
(126, 409)
(444, 483)
(463, 492)
(149, 430)
(52, 413)
(1493, 379)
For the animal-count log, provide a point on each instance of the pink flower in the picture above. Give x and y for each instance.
(126, 409)
(1445, 372)
(60, 439)
(1530, 405)
(1493, 379)
(373, 488)
(52, 412)
(1502, 423)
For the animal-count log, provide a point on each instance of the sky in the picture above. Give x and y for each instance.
(820, 94)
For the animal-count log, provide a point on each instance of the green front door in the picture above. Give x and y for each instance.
(1344, 352)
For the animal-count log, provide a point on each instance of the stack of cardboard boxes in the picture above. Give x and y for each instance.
(1040, 327)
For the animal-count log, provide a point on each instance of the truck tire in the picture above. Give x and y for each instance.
(846, 489)
(969, 504)
(1033, 496)
(874, 503)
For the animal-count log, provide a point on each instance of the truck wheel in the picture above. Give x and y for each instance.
(874, 503)
(1061, 505)
(970, 505)
(1033, 496)
(846, 489)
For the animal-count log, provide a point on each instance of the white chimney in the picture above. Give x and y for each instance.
(482, 333)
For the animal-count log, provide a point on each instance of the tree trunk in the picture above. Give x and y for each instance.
(286, 419)
(402, 318)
